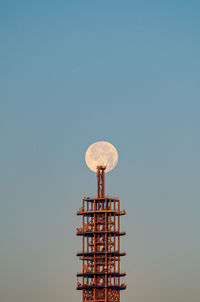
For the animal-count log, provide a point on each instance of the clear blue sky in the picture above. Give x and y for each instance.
(74, 72)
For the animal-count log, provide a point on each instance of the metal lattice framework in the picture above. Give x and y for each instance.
(100, 231)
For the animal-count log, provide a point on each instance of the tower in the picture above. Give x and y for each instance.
(100, 278)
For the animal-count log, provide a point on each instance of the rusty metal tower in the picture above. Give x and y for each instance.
(99, 279)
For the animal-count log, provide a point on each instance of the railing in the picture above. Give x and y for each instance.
(92, 284)
(107, 196)
(82, 211)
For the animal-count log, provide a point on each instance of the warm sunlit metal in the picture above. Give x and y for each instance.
(101, 181)
(99, 279)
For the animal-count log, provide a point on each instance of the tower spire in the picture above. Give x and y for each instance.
(101, 181)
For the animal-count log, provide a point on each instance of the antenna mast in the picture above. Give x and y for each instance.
(101, 181)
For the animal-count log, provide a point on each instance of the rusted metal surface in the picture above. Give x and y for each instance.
(100, 255)
(101, 182)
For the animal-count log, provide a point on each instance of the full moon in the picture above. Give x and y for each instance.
(101, 154)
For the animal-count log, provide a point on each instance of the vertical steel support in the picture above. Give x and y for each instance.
(101, 181)
(100, 253)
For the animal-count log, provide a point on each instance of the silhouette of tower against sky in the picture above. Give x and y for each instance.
(100, 278)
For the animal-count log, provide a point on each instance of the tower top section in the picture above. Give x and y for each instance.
(100, 277)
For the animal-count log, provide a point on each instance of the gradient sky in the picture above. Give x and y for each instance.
(75, 72)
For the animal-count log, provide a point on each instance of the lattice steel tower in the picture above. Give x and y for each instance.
(100, 255)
